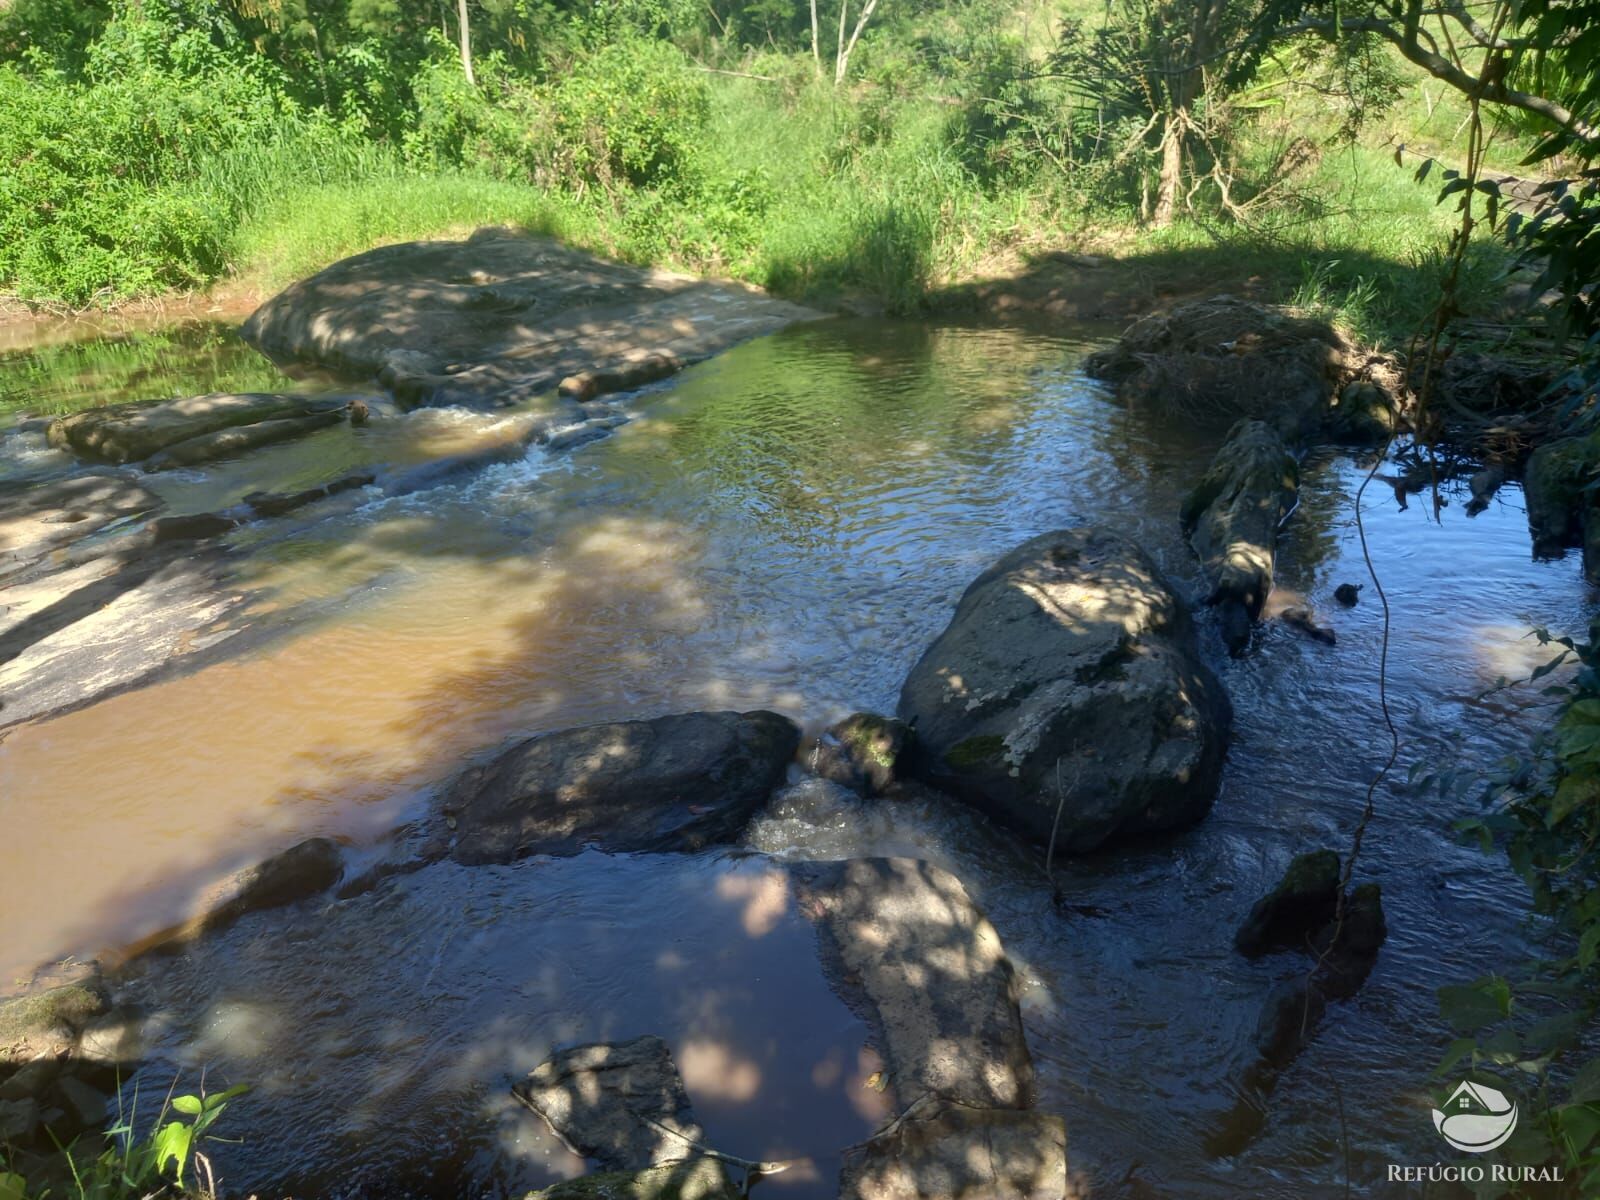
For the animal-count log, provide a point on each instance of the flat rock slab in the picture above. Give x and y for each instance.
(672, 783)
(621, 1104)
(43, 517)
(89, 635)
(935, 979)
(503, 316)
(189, 430)
(962, 1154)
(1067, 697)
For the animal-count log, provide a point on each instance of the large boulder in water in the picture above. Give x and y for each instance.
(1563, 511)
(1232, 520)
(1068, 680)
(503, 317)
(673, 783)
(1223, 358)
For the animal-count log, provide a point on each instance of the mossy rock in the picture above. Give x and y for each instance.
(46, 1024)
(1303, 901)
(692, 1179)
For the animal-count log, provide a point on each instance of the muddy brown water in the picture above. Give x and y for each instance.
(785, 526)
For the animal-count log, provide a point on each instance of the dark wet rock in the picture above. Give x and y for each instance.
(31, 1079)
(85, 1106)
(124, 433)
(863, 752)
(1232, 519)
(1068, 680)
(190, 527)
(1306, 622)
(503, 317)
(621, 1104)
(1292, 912)
(693, 1179)
(672, 783)
(1225, 357)
(1363, 414)
(1348, 594)
(1483, 485)
(1563, 511)
(276, 504)
(920, 957)
(1348, 949)
(20, 1120)
(1288, 1021)
(305, 869)
(957, 1153)
(46, 1024)
(227, 443)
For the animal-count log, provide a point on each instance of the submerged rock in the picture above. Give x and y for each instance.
(692, 1179)
(1068, 682)
(1232, 519)
(863, 752)
(672, 783)
(305, 869)
(194, 429)
(1290, 913)
(1563, 510)
(957, 1153)
(502, 317)
(937, 983)
(1224, 358)
(621, 1104)
(1305, 621)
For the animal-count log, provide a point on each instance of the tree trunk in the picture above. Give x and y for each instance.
(1171, 170)
(843, 64)
(466, 40)
(816, 52)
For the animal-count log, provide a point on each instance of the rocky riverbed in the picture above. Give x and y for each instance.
(543, 657)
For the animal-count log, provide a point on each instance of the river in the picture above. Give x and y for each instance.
(785, 526)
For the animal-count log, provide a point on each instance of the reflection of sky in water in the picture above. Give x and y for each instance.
(788, 526)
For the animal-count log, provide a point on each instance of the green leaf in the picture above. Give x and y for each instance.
(172, 1143)
(1469, 1007)
(13, 1187)
(189, 1105)
(1586, 1083)
(1579, 1124)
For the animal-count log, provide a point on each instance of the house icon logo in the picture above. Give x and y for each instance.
(1476, 1118)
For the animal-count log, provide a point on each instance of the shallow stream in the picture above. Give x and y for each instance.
(786, 526)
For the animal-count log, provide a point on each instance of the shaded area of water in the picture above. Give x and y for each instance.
(788, 526)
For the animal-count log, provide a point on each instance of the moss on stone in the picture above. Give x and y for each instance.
(975, 753)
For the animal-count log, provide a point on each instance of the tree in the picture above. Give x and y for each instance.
(466, 41)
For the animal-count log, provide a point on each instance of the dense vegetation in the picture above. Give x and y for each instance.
(164, 144)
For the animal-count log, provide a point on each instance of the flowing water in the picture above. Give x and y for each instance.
(786, 526)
